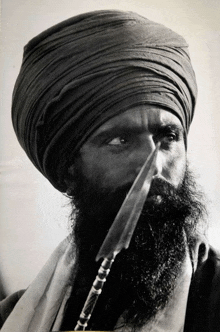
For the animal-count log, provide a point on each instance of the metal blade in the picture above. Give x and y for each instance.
(122, 229)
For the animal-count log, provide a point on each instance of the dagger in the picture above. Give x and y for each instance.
(120, 233)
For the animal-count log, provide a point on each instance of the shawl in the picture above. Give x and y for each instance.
(42, 306)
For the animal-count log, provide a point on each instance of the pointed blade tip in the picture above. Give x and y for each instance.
(103, 252)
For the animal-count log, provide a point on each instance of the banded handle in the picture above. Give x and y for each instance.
(94, 293)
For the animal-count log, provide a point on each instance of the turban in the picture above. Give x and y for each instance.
(81, 72)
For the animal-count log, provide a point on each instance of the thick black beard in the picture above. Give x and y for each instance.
(142, 277)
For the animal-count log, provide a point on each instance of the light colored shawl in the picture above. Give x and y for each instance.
(41, 307)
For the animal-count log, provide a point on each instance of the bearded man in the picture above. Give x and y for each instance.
(94, 96)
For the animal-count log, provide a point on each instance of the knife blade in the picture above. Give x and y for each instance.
(119, 235)
(122, 229)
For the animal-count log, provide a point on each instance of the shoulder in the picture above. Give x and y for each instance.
(214, 298)
(7, 305)
(209, 272)
(210, 269)
(203, 308)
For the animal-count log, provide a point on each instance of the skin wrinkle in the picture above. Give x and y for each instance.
(121, 163)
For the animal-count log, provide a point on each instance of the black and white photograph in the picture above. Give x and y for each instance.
(110, 177)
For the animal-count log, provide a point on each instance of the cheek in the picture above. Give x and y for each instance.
(175, 166)
(112, 174)
(105, 171)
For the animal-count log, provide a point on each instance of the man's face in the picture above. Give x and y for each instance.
(114, 154)
(102, 174)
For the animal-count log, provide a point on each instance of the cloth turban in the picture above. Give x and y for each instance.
(89, 68)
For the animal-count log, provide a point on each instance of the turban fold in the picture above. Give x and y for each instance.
(84, 71)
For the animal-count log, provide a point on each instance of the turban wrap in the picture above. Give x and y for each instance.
(85, 70)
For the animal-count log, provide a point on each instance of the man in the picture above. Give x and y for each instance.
(94, 96)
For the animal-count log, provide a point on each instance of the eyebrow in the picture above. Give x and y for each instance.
(136, 129)
(120, 128)
(163, 128)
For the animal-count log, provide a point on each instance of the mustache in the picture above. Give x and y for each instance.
(146, 271)
(159, 186)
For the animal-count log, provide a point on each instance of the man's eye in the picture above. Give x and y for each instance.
(117, 141)
(170, 138)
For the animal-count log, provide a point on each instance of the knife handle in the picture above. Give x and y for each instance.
(94, 293)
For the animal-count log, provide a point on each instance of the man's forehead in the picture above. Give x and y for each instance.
(141, 118)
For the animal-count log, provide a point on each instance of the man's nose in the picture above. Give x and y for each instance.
(147, 148)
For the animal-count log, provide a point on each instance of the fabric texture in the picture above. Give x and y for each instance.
(85, 70)
(8, 304)
(203, 308)
(41, 308)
